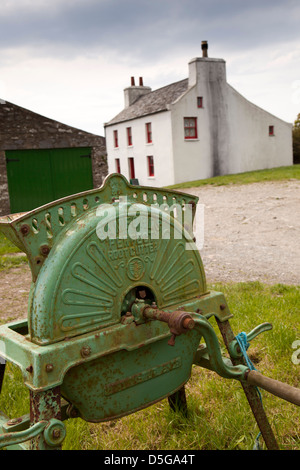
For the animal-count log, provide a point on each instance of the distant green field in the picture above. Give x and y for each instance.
(274, 174)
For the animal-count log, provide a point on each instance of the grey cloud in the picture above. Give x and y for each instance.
(140, 27)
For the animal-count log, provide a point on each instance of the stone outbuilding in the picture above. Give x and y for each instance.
(42, 159)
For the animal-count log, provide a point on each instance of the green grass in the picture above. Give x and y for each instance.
(7, 262)
(10, 255)
(219, 414)
(6, 246)
(274, 174)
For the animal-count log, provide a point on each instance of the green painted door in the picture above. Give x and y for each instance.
(36, 177)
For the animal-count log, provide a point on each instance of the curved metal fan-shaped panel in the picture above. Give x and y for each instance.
(85, 279)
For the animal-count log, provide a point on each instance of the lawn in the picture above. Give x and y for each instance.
(10, 255)
(274, 174)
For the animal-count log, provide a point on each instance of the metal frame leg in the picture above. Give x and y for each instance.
(178, 401)
(250, 392)
(44, 406)
(2, 370)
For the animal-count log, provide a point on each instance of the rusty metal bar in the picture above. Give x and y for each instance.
(44, 406)
(250, 392)
(279, 389)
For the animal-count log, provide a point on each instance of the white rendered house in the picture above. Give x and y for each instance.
(194, 129)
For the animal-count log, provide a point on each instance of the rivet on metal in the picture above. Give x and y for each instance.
(49, 367)
(85, 351)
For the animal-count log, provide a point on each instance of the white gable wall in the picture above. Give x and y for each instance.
(208, 154)
(250, 146)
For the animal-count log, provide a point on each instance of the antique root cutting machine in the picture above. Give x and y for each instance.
(118, 313)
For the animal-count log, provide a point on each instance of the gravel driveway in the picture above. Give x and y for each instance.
(251, 232)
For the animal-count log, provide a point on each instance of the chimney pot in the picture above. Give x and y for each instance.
(204, 46)
(132, 81)
(141, 81)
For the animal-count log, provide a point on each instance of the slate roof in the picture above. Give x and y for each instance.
(153, 102)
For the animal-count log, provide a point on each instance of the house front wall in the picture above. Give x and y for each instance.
(192, 157)
(160, 149)
(206, 155)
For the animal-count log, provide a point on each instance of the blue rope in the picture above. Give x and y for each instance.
(244, 345)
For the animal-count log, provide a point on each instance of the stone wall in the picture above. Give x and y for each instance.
(4, 196)
(22, 129)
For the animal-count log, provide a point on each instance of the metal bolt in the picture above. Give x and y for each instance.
(49, 367)
(45, 249)
(222, 306)
(85, 351)
(188, 323)
(29, 368)
(24, 229)
(56, 433)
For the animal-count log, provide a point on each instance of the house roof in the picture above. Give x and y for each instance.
(153, 102)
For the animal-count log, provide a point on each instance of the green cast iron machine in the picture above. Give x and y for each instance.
(118, 313)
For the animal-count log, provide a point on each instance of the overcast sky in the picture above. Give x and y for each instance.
(70, 60)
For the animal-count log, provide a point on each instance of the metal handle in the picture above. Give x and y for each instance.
(234, 348)
(279, 389)
(259, 329)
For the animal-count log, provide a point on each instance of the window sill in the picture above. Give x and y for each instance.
(191, 140)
